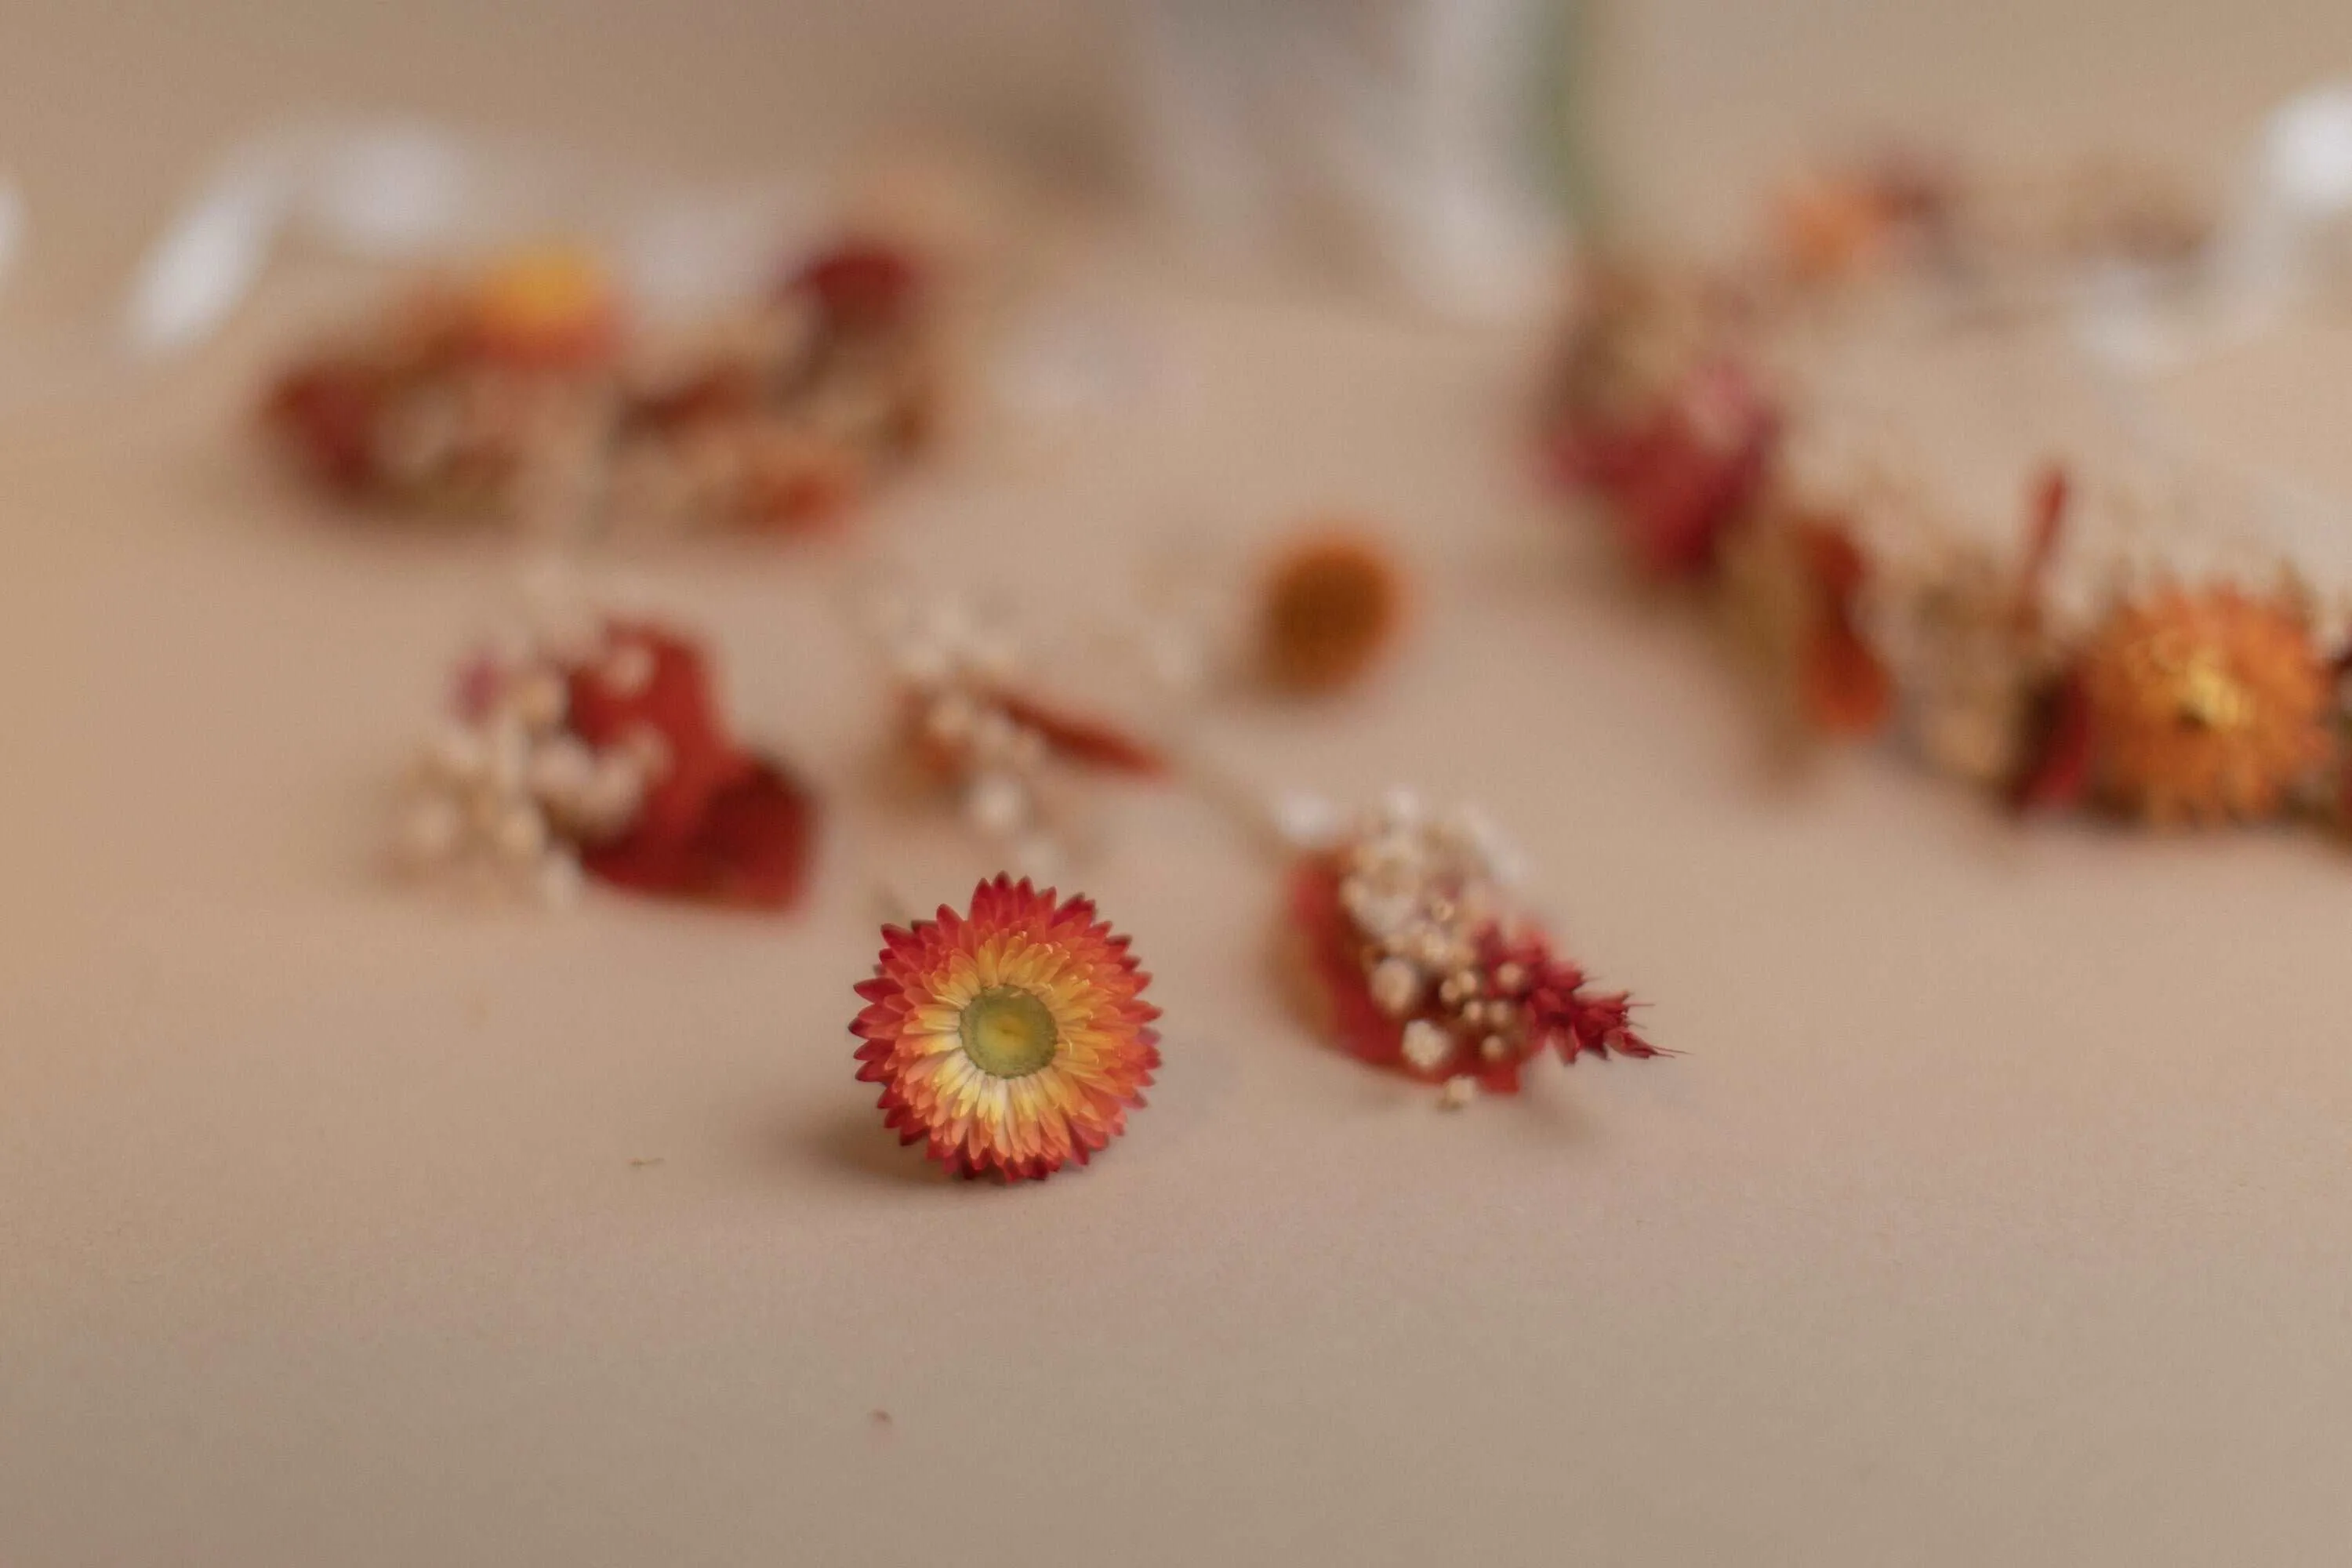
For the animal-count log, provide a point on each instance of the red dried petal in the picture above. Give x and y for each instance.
(1329, 946)
(799, 481)
(1078, 739)
(1834, 562)
(752, 847)
(718, 391)
(1677, 478)
(674, 702)
(2044, 529)
(1844, 684)
(327, 411)
(862, 286)
(2060, 751)
(2052, 491)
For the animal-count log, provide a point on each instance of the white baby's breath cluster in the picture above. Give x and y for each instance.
(500, 798)
(1419, 889)
(953, 670)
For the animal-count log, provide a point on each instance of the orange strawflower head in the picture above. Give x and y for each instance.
(1011, 1040)
(2205, 704)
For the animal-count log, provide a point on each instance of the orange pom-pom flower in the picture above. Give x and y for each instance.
(1329, 608)
(2206, 704)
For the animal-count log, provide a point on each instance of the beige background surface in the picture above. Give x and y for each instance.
(2000, 1211)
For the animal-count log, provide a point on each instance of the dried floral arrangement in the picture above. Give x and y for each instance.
(592, 744)
(2060, 670)
(527, 392)
(1410, 952)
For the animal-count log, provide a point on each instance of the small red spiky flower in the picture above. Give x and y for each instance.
(1011, 1040)
(1413, 960)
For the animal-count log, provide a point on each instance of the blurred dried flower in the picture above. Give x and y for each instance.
(1331, 605)
(2206, 704)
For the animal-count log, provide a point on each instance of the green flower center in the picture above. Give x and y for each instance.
(1007, 1031)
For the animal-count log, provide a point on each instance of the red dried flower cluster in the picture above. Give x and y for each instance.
(608, 756)
(1413, 960)
(721, 823)
(2174, 703)
(522, 391)
(1676, 472)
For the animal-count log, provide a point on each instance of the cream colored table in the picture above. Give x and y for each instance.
(2000, 1210)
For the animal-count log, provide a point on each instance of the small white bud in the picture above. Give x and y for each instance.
(507, 753)
(456, 752)
(924, 664)
(562, 771)
(557, 880)
(648, 751)
(1304, 821)
(430, 828)
(1395, 986)
(539, 699)
(1400, 809)
(628, 669)
(997, 805)
(1426, 1046)
(521, 833)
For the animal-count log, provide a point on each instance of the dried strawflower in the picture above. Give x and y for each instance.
(1010, 1041)
(1331, 605)
(1415, 959)
(2205, 704)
